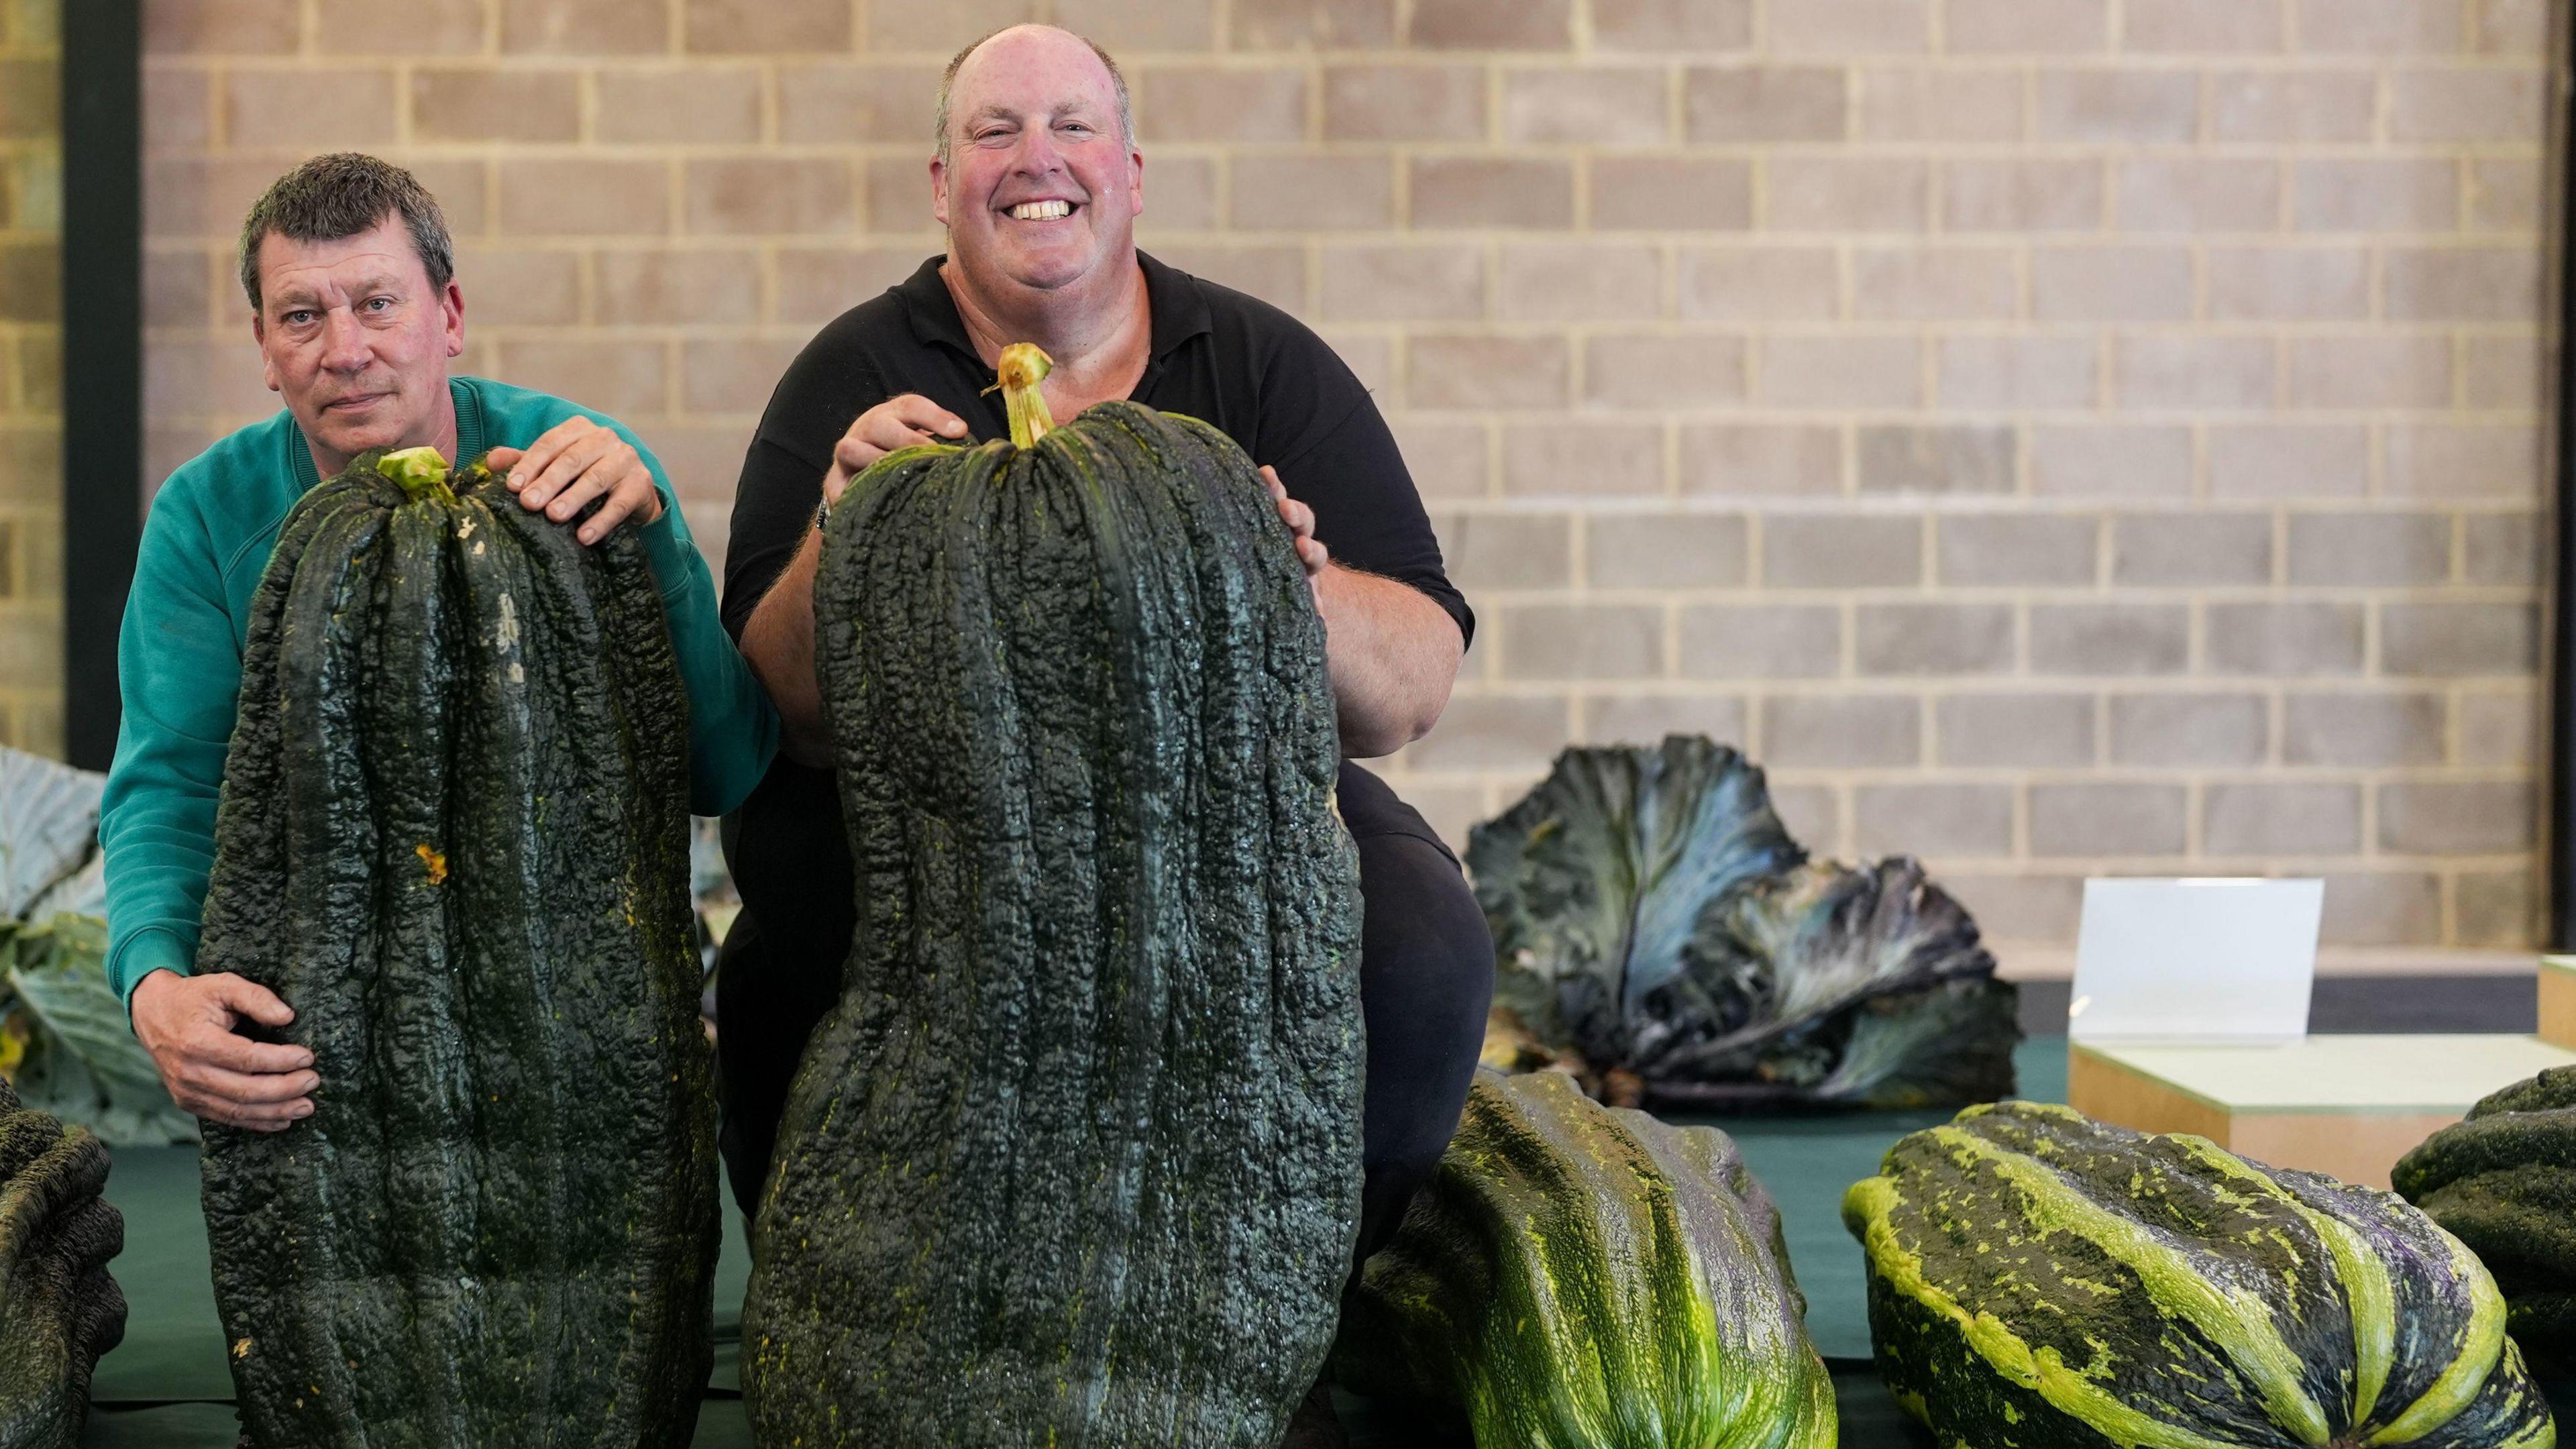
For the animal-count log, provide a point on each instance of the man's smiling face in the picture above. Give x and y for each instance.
(356, 339)
(1039, 189)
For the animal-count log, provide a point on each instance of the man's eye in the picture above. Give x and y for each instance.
(298, 319)
(1077, 126)
(378, 304)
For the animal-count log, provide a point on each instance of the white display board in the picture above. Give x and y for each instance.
(2213, 960)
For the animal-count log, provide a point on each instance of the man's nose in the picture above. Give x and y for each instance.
(344, 342)
(1037, 153)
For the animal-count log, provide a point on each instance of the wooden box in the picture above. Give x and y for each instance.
(2558, 1000)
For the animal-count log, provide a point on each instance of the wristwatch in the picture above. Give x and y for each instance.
(823, 514)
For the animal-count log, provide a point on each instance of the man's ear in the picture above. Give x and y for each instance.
(1136, 183)
(938, 192)
(451, 304)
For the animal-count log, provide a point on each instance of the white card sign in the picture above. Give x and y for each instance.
(2201, 960)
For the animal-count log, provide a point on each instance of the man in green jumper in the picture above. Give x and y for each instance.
(355, 306)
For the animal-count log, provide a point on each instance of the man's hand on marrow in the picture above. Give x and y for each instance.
(1301, 525)
(212, 1071)
(576, 461)
(899, 422)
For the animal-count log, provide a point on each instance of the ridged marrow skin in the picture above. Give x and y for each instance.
(59, 1310)
(2504, 1181)
(1582, 1277)
(1075, 1159)
(453, 838)
(2039, 1280)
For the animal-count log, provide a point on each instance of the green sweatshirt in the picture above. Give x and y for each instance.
(178, 661)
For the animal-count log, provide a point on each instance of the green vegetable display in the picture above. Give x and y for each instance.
(1655, 926)
(2041, 1279)
(2500, 1181)
(1075, 1160)
(59, 1310)
(453, 838)
(1580, 1275)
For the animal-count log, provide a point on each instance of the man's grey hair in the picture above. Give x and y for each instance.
(948, 81)
(341, 195)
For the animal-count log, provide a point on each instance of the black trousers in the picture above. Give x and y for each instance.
(1426, 980)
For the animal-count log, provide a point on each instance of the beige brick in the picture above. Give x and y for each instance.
(1644, 719)
(1312, 193)
(1913, 459)
(1516, 193)
(733, 374)
(340, 106)
(30, 99)
(946, 28)
(2118, 105)
(1765, 103)
(1125, 25)
(897, 195)
(2462, 817)
(2291, 640)
(2379, 27)
(2253, 818)
(2433, 460)
(191, 378)
(1492, 24)
(1764, 641)
(808, 27)
(2376, 195)
(2370, 372)
(1759, 284)
(1493, 732)
(2303, 284)
(1939, 821)
(178, 289)
(1507, 550)
(2496, 908)
(2463, 284)
(2361, 549)
(1848, 194)
(2107, 819)
(2110, 284)
(1305, 24)
(714, 103)
(2171, 26)
(2465, 105)
(1662, 373)
(2382, 909)
(1844, 730)
(2513, 27)
(618, 378)
(524, 287)
(2023, 195)
(2186, 548)
(584, 198)
(2272, 105)
(1624, 106)
(1839, 371)
(40, 371)
(839, 104)
(178, 110)
(2446, 640)
(1671, 551)
(1275, 274)
(2111, 462)
(1404, 283)
(219, 27)
(1933, 639)
(2016, 372)
(1661, 193)
(2199, 194)
(1446, 459)
(2088, 639)
(2500, 549)
(1933, 284)
(2504, 194)
(460, 104)
(1445, 371)
(816, 284)
(1180, 195)
(2362, 729)
(1557, 457)
(1404, 103)
(2205, 373)
(2018, 907)
(1221, 103)
(1583, 641)
(2500, 728)
(31, 282)
(371, 27)
(1761, 459)
(770, 194)
(585, 27)
(678, 286)
(2016, 548)
(2025, 27)
(1916, 104)
(1581, 281)
(2022, 731)
(1662, 27)
(1814, 552)
(1812, 813)
(2510, 374)
(2263, 461)
(2189, 729)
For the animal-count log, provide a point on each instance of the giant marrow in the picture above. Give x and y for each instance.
(2504, 1180)
(59, 1310)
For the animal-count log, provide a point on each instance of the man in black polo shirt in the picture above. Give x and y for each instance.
(1038, 182)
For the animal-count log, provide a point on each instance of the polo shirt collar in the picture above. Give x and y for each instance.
(1179, 310)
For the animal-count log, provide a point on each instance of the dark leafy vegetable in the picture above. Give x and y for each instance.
(2503, 1181)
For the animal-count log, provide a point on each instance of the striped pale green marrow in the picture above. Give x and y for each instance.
(1582, 1277)
(453, 838)
(2038, 1278)
(2504, 1180)
(59, 1310)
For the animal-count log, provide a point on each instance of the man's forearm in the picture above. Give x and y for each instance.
(778, 639)
(1392, 654)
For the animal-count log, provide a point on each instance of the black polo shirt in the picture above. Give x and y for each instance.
(1228, 359)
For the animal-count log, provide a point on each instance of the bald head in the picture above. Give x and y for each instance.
(1027, 40)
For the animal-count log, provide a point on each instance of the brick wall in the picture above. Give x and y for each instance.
(2056, 436)
(31, 387)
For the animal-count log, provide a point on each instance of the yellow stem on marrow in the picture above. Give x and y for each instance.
(421, 472)
(1024, 366)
